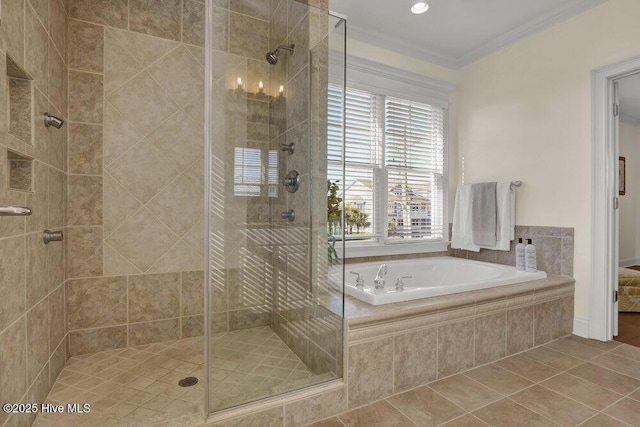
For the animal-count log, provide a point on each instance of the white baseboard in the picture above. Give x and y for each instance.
(628, 262)
(581, 327)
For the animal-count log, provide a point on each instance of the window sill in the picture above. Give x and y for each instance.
(363, 250)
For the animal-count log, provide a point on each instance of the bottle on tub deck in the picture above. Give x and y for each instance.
(530, 257)
(520, 264)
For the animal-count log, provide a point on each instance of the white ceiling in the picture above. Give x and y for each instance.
(629, 98)
(452, 33)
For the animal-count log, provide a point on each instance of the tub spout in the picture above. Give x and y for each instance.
(381, 277)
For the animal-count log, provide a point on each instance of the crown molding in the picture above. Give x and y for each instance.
(367, 75)
(549, 19)
(555, 16)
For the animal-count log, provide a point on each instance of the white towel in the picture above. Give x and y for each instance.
(462, 233)
(506, 213)
(484, 213)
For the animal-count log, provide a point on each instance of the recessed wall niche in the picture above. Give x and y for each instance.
(20, 171)
(20, 96)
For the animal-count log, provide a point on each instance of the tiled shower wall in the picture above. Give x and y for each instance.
(136, 142)
(32, 293)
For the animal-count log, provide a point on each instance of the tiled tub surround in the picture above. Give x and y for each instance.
(136, 146)
(554, 249)
(32, 274)
(398, 347)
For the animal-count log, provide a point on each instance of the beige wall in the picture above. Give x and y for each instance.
(525, 113)
(32, 292)
(629, 244)
(136, 146)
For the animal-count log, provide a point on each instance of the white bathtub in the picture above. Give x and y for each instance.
(430, 277)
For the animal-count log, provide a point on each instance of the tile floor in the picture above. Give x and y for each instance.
(139, 385)
(569, 382)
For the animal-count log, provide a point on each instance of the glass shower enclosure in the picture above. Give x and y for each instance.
(274, 322)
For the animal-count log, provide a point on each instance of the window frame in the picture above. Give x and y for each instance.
(377, 78)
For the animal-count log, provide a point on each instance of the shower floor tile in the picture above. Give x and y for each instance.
(139, 385)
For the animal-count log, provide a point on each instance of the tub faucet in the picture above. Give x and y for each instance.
(381, 277)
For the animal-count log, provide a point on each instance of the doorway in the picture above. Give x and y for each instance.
(627, 138)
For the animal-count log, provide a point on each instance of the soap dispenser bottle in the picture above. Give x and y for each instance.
(530, 257)
(520, 264)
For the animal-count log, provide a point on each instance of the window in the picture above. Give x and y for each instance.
(394, 169)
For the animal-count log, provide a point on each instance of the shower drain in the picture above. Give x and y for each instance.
(188, 382)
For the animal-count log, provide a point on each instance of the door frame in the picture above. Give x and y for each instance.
(604, 185)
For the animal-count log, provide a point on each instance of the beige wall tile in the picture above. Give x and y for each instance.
(85, 149)
(57, 198)
(38, 200)
(297, 99)
(132, 99)
(58, 360)
(370, 370)
(58, 25)
(160, 18)
(37, 339)
(519, 329)
(119, 204)
(106, 12)
(36, 50)
(84, 251)
(179, 205)
(142, 239)
(85, 97)
(180, 139)
(180, 74)
(12, 280)
(248, 37)
(86, 46)
(258, 9)
(56, 263)
(20, 110)
(41, 8)
(13, 381)
(96, 302)
(57, 327)
(150, 332)
(220, 26)
(192, 293)
(85, 200)
(193, 14)
(490, 341)
(39, 390)
(94, 340)
(415, 359)
(12, 35)
(115, 264)
(118, 135)
(249, 318)
(58, 83)
(36, 276)
(455, 347)
(192, 326)
(154, 296)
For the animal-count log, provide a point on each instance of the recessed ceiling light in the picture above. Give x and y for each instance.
(420, 7)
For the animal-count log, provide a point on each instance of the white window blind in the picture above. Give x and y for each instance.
(394, 167)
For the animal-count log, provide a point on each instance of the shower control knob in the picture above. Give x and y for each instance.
(290, 148)
(291, 181)
(52, 236)
(291, 215)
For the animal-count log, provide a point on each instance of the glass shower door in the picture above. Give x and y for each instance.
(274, 320)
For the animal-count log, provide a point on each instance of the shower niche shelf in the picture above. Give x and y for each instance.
(20, 172)
(20, 96)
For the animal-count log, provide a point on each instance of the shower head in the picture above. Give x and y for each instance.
(272, 57)
(50, 120)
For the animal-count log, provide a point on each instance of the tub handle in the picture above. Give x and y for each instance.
(359, 280)
(400, 282)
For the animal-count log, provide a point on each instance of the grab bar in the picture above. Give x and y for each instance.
(14, 211)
